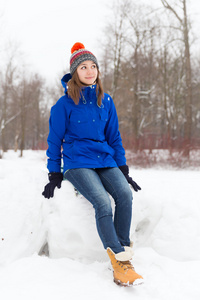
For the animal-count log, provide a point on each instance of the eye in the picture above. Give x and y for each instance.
(83, 68)
(93, 66)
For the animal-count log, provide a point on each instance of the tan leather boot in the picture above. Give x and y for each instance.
(123, 271)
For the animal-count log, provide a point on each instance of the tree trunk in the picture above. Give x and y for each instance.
(188, 104)
(188, 82)
(135, 108)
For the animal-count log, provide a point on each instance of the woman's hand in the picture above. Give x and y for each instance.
(125, 171)
(55, 181)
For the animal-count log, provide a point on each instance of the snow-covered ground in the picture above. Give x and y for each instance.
(165, 231)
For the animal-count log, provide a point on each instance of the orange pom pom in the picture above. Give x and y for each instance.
(76, 47)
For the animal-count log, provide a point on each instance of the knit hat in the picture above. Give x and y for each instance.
(79, 55)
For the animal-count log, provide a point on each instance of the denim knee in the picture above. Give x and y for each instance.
(126, 195)
(102, 209)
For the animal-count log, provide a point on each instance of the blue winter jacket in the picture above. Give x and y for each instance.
(87, 134)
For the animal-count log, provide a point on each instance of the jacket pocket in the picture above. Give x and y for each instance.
(68, 151)
(78, 126)
(103, 121)
(104, 115)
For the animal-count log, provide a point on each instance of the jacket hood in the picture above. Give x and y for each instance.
(65, 80)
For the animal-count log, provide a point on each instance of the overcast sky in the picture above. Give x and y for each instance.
(46, 30)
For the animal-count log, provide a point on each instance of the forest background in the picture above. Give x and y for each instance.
(150, 65)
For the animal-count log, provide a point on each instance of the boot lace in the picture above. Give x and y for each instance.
(126, 265)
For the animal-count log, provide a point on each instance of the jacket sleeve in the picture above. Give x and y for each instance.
(57, 129)
(113, 136)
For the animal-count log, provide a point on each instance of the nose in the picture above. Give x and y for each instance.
(89, 70)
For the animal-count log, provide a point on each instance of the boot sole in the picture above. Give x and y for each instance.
(126, 284)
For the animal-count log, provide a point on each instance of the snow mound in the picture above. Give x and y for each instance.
(165, 214)
(50, 248)
(71, 228)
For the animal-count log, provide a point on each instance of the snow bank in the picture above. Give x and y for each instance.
(71, 226)
(166, 213)
(165, 231)
(21, 217)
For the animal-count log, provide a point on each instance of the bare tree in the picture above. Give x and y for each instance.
(140, 40)
(114, 50)
(183, 21)
(6, 84)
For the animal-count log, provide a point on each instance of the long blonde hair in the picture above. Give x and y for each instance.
(75, 88)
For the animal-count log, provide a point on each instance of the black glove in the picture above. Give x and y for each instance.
(125, 171)
(55, 181)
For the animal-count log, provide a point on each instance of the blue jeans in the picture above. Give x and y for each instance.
(94, 185)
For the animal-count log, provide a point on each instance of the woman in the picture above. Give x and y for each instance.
(84, 124)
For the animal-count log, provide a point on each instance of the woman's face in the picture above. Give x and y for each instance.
(87, 72)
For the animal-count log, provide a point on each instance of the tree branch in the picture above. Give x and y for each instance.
(166, 5)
